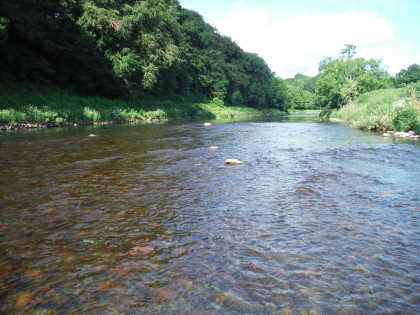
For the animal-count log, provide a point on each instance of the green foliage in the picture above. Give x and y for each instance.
(299, 98)
(39, 104)
(3, 29)
(341, 80)
(406, 119)
(217, 101)
(325, 113)
(131, 49)
(384, 109)
(300, 92)
(302, 81)
(409, 75)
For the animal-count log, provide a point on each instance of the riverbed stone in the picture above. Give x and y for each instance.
(233, 162)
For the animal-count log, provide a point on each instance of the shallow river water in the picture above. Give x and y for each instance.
(146, 219)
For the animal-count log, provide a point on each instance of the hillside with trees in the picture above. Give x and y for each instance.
(129, 49)
(301, 92)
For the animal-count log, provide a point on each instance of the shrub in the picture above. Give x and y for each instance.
(405, 119)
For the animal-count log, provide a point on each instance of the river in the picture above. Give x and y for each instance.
(146, 219)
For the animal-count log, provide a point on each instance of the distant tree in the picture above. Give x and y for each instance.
(348, 52)
(409, 75)
(299, 98)
(302, 81)
(343, 79)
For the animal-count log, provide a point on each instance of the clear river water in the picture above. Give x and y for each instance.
(146, 219)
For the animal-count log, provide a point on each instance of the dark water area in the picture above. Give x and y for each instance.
(146, 219)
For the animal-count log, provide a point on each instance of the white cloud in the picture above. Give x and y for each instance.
(298, 44)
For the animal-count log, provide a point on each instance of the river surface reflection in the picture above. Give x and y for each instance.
(146, 219)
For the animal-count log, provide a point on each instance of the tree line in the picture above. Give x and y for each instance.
(130, 49)
(342, 79)
(155, 48)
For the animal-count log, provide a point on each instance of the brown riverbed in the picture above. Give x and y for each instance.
(146, 219)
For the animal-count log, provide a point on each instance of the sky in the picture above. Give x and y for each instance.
(293, 36)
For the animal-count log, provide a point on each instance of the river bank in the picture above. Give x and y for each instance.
(305, 111)
(31, 106)
(395, 112)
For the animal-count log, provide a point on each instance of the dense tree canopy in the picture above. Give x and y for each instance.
(129, 48)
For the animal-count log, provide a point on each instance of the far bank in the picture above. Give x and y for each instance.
(31, 106)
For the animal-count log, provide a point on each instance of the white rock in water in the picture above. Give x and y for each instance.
(411, 133)
(92, 135)
(233, 162)
(386, 134)
(207, 124)
(213, 147)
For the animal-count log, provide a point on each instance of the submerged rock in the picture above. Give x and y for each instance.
(233, 162)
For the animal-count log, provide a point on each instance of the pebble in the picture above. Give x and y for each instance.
(233, 162)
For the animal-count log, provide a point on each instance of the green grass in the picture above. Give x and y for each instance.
(387, 109)
(304, 111)
(38, 104)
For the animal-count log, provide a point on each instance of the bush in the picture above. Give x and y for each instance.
(325, 113)
(405, 119)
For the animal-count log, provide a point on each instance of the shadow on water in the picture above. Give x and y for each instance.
(320, 219)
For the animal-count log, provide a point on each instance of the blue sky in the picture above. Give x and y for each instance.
(294, 35)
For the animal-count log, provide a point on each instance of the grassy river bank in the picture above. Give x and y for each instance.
(33, 106)
(396, 109)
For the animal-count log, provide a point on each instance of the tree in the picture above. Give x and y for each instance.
(343, 79)
(323, 63)
(348, 52)
(409, 75)
(129, 48)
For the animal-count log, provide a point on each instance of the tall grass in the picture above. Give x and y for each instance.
(38, 104)
(387, 109)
